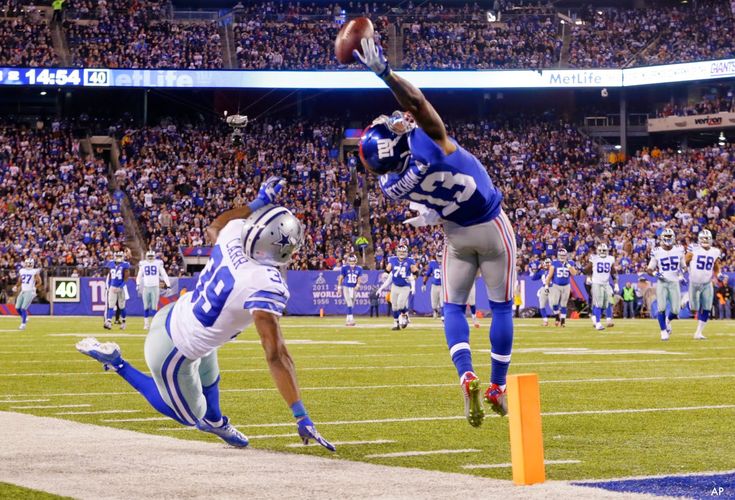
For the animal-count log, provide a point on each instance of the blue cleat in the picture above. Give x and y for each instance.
(108, 353)
(226, 432)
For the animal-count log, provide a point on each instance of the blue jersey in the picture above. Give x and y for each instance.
(351, 275)
(400, 270)
(456, 186)
(539, 274)
(434, 273)
(561, 272)
(117, 273)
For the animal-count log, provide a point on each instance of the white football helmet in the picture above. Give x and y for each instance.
(352, 260)
(440, 254)
(705, 238)
(562, 255)
(119, 257)
(547, 263)
(271, 235)
(667, 237)
(402, 252)
(150, 255)
(603, 250)
(28, 263)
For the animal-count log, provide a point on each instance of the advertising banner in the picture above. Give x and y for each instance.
(694, 122)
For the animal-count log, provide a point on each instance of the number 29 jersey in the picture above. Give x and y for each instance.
(456, 186)
(701, 267)
(229, 288)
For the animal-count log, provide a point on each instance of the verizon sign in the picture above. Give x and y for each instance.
(695, 122)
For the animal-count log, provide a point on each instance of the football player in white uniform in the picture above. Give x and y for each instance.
(602, 267)
(704, 266)
(666, 265)
(348, 283)
(28, 281)
(150, 274)
(240, 285)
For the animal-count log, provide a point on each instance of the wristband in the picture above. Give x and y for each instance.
(256, 204)
(298, 409)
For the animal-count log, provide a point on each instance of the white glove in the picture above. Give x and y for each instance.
(423, 288)
(616, 288)
(373, 57)
(546, 290)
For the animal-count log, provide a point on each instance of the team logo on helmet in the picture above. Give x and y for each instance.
(383, 146)
(271, 235)
(667, 237)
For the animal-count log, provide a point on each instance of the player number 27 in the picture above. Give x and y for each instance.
(213, 288)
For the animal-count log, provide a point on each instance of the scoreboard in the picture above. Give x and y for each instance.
(65, 290)
(57, 77)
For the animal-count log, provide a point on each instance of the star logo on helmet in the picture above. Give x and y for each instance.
(284, 240)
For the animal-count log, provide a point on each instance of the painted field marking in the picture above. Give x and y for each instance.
(26, 401)
(583, 351)
(343, 443)
(305, 342)
(502, 466)
(400, 454)
(100, 335)
(655, 476)
(257, 436)
(98, 412)
(146, 419)
(46, 407)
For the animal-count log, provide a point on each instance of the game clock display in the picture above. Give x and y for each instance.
(60, 77)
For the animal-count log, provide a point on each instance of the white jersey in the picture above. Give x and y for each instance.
(229, 288)
(28, 279)
(701, 267)
(601, 269)
(670, 263)
(151, 274)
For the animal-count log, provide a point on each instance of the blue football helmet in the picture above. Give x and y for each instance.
(384, 144)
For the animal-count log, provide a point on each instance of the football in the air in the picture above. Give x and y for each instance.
(348, 38)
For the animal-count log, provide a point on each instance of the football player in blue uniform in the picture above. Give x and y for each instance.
(116, 292)
(401, 269)
(559, 281)
(433, 275)
(348, 283)
(416, 160)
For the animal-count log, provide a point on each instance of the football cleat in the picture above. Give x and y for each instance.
(496, 398)
(473, 410)
(665, 335)
(108, 353)
(123, 325)
(107, 325)
(22, 326)
(599, 327)
(396, 328)
(226, 432)
(699, 336)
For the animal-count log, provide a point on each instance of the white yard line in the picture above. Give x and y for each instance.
(98, 335)
(502, 466)
(341, 443)
(401, 454)
(144, 419)
(98, 412)
(25, 401)
(47, 407)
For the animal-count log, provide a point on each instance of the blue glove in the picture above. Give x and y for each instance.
(659, 276)
(308, 431)
(268, 192)
(683, 280)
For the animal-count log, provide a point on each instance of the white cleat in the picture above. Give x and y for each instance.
(22, 326)
(599, 327)
(699, 336)
(107, 325)
(123, 325)
(665, 335)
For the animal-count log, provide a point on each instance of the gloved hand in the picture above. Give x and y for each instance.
(423, 288)
(307, 431)
(269, 190)
(616, 288)
(373, 57)
(659, 276)
(546, 290)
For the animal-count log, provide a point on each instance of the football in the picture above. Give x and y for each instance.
(348, 38)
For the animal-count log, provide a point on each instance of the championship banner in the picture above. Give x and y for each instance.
(692, 122)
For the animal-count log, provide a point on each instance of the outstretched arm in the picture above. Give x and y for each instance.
(408, 95)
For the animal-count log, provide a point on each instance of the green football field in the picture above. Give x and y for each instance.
(615, 403)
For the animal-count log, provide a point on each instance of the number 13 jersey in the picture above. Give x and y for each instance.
(456, 185)
(229, 288)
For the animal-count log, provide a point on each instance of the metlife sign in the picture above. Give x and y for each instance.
(242, 79)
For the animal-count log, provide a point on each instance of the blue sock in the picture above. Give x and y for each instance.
(457, 333)
(501, 340)
(703, 316)
(349, 310)
(396, 314)
(564, 311)
(673, 316)
(23, 315)
(608, 312)
(110, 314)
(555, 311)
(145, 313)
(211, 394)
(662, 320)
(298, 410)
(123, 313)
(404, 310)
(473, 310)
(543, 313)
(596, 311)
(146, 386)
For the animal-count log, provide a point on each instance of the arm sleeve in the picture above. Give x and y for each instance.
(272, 300)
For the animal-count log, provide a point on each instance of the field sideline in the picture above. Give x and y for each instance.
(617, 403)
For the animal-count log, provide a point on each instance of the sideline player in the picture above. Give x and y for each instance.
(416, 160)
(116, 289)
(28, 281)
(666, 265)
(150, 274)
(433, 275)
(239, 286)
(559, 278)
(704, 265)
(602, 267)
(347, 284)
(543, 292)
(401, 268)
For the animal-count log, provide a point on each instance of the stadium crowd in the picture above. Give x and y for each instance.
(55, 205)
(26, 41)
(719, 100)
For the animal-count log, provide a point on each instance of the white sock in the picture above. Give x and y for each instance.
(700, 327)
(474, 317)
